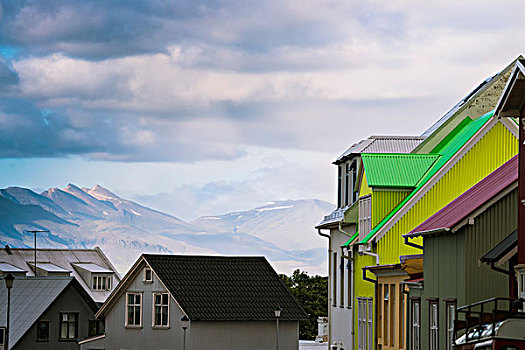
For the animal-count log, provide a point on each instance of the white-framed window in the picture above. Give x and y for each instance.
(370, 320)
(434, 324)
(340, 186)
(134, 309)
(148, 275)
(365, 216)
(416, 324)
(521, 284)
(365, 314)
(100, 283)
(342, 281)
(334, 279)
(161, 310)
(451, 316)
(349, 283)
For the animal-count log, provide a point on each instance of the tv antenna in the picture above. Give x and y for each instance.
(35, 232)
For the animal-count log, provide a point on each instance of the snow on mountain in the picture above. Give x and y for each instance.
(87, 217)
(287, 224)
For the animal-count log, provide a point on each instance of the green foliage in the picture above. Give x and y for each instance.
(312, 294)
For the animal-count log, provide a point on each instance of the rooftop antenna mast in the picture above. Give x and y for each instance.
(35, 232)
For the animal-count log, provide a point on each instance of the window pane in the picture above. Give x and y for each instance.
(157, 316)
(131, 298)
(164, 315)
(165, 299)
(72, 327)
(137, 316)
(63, 330)
(130, 315)
(157, 299)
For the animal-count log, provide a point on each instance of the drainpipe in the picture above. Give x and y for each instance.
(329, 284)
(413, 245)
(495, 268)
(372, 254)
(343, 231)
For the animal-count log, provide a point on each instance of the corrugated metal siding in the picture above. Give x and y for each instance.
(396, 170)
(494, 149)
(489, 229)
(383, 202)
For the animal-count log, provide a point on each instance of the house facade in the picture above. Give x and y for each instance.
(338, 227)
(396, 193)
(50, 313)
(454, 240)
(230, 303)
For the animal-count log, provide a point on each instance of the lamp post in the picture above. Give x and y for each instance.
(9, 279)
(277, 311)
(185, 322)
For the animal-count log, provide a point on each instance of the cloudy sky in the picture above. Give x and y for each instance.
(202, 107)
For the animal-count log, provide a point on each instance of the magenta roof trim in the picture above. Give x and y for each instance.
(471, 200)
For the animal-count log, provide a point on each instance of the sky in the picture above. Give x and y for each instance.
(203, 107)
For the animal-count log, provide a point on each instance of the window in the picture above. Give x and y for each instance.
(68, 326)
(521, 284)
(148, 275)
(365, 216)
(349, 283)
(451, 316)
(134, 309)
(340, 187)
(42, 331)
(161, 310)
(354, 193)
(392, 302)
(385, 314)
(342, 282)
(434, 324)
(370, 323)
(334, 279)
(365, 323)
(101, 283)
(2, 337)
(94, 328)
(379, 311)
(401, 316)
(416, 324)
(347, 184)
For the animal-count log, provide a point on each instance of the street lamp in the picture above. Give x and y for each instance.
(277, 311)
(9, 279)
(185, 323)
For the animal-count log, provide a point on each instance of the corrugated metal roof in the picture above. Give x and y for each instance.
(396, 170)
(501, 249)
(446, 154)
(30, 297)
(63, 258)
(48, 267)
(471, 200)
(6, 267)
(92, 268)
(382, 144)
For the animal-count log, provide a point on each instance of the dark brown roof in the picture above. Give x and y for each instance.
(225, 288)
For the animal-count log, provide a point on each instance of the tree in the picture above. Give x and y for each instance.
(312, 294)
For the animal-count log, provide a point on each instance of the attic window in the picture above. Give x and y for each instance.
(101, 283)
(148, 275)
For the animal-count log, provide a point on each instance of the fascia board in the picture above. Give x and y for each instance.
(518, 68)
(124, 283)
(511, 126)
(437, 176)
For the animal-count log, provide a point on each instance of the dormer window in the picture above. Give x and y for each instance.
(148, 275)
(101, 283)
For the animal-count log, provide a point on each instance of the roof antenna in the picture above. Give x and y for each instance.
(35, 232)
(8, 249)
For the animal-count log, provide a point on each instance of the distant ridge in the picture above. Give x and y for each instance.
(87, 217)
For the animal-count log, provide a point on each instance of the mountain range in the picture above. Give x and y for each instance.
(283, 231)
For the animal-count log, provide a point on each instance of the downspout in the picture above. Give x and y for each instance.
(493, 267)
(413, 245)
(329, 284)
(372, 254)
(343, 231)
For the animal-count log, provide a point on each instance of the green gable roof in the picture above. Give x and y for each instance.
(463, 133)
(396, 170)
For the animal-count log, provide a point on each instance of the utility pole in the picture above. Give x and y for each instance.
(35, 232)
